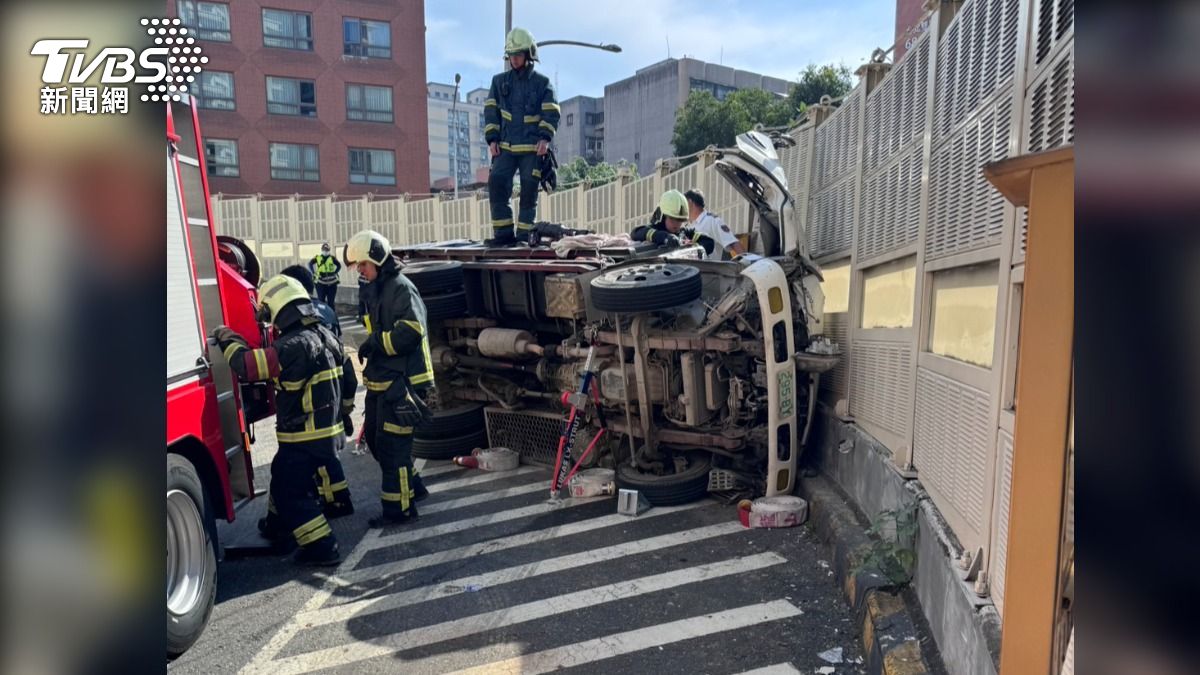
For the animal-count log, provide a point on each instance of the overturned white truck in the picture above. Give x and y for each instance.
(704, 369)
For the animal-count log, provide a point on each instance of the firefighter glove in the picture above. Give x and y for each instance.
(664, 238)
(224, 335)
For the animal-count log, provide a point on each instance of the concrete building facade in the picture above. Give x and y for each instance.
(309, 96)
(456, 148)
(580, 130)
(639, 111)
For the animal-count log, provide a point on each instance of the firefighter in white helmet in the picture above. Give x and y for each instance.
(398, 373)
(305, 362)
(667, 225)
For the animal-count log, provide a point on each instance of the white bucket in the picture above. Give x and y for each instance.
(593, 483)
(782, 511)
(497, 459)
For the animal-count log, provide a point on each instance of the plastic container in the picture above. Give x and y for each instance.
(497, 459)
(593, 483)
(782, 511)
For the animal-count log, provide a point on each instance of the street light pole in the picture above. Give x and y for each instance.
(454, 133)
(606, 47)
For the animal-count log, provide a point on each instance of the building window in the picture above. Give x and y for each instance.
(222, 157)
(287, 30)
(369, 103)
(208, 20)
(594, 144)
(593, 118)
(290, 161)
(372, 167)
(215, 91)
(286, 96)
(888, 292)
(719, 91)
(570, 119)
(963, 321)
(836, 288)
(372, 39)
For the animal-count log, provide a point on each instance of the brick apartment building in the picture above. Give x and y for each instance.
(312, 96)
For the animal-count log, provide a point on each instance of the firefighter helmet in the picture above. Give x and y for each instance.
(520, 40)
(279, 292)
(673, 205)
(368, 245)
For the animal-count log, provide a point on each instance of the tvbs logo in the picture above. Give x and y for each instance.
(168, 70)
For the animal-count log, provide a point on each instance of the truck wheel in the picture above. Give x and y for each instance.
(435, 276)
(447, 448)
(669, 489)
(191, 556)
(446, 306)
(644, 288)
(452, 422)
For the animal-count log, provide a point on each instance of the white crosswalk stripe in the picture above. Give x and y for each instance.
(479, 477)
(473, 500)
(355, 650)
(777, 669)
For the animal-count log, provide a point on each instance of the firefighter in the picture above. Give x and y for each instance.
(305, 364)
(710, 231)
(521, 117)
(325, 267)
(332, 486)
(668, 224)
(398, 373)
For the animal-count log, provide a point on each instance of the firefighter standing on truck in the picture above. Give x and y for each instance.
(305, 362)
(521, 117)
(325, 267)
(398, 372)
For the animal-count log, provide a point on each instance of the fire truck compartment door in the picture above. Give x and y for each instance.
(185, 344)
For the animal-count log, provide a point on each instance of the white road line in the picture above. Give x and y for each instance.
(636, 640)
(483, 498)
(502, 544)
(426, 471)
(777, 669)
(486, 477)
(376, 605)
(405, 535)
(361, 650)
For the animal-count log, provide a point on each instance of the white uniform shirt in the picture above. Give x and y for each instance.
(714, 228)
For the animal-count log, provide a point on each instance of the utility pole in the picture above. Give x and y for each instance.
(507, 28)
(454, 132)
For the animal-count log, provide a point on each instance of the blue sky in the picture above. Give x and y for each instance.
(773, 37)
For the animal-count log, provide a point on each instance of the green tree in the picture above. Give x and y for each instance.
(701, 122)
(578, 170)
(817, 81)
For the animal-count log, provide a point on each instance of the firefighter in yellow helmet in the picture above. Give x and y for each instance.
(305, 363)
(520, 120)
(668, 224)
(398, 373)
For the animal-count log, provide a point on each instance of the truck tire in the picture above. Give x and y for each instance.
(447, 448)
(445, 306)
(452, 422)
(435, 276)
(645, 288)
(191, 556)
(670, 489)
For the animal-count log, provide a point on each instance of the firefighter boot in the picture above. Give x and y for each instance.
(322, 553)
(385, 520)
(502, 237)
(522, 237)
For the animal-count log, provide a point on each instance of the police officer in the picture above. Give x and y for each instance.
(325, 268)
(398, 372)
(710, 231)
(305, 364)
(667, 226)
(332, 486)
(521, 117)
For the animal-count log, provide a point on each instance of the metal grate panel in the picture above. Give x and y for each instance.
(976, 58)
(235, 217)
(831, 218)
(1051, 106)
(349, 217)
(274, 218)
(895, 114)
(312, 218)
(837, 141)
(640, 201)
(420, 221)
(1053, 20)
(965, 212)
(891, 216)
(837, 329)
(532, 434)
(880, 387)
(1003, 508)
(602, 208)
(951, 451)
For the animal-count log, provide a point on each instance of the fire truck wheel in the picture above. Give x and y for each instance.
(435, 276)
(452, 422)
(645, 288)
(448, 448)
(673, 488)
(191, 556)
(446, 306)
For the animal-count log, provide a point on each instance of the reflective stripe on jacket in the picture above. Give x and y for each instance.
(520, 110)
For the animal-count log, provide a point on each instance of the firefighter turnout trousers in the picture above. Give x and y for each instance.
(391, 446)
(500, 187)
(333, 490)
(294, 505)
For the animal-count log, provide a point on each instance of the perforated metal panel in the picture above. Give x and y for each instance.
(951, 451)
(891, 216)
(1054, 22)
(640, 201)
(895, 116)
(235, 217)
(420, 222)
(1050, 113)
(349, 217)
(880, 386)
(837, 142)
(684, 179)
(312, 219)
(965, 211)
(602, 208)
(532, 434)
(1003, 508)
(795, 163)
(976, 57)
(837, 329)
(274, 219)
(831, 218)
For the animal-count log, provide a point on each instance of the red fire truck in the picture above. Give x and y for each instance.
(211, 280)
